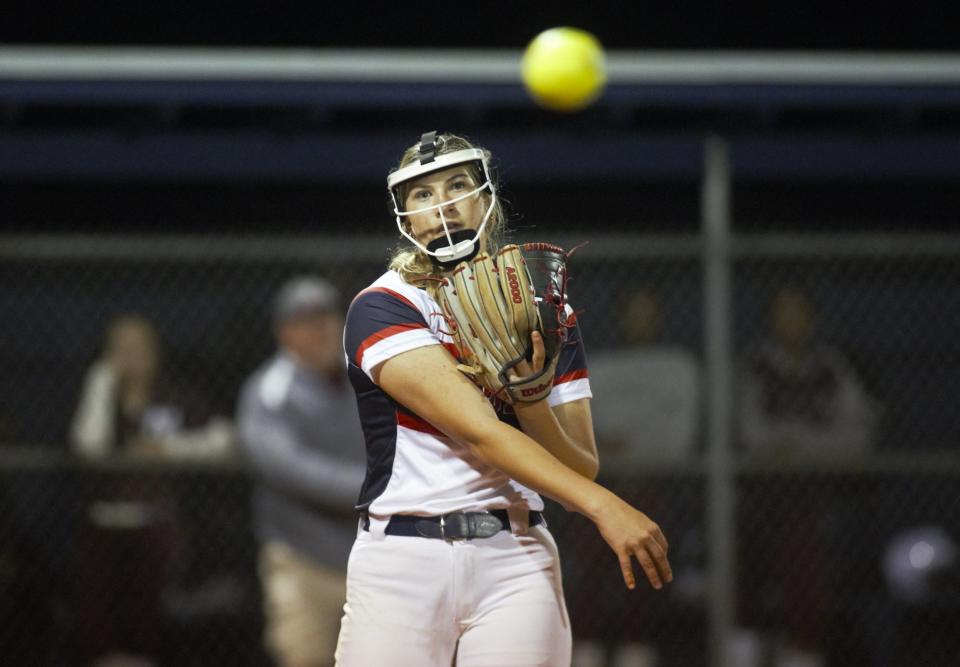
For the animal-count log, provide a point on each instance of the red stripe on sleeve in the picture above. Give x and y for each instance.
(570, 377)
(385, 333)
(387, 290)
(416, 424)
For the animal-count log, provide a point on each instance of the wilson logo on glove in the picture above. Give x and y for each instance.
(533, 391)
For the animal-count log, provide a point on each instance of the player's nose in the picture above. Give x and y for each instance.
(447, 210)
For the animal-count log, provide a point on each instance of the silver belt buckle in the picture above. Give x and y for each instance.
(465, 528)
(470, 525)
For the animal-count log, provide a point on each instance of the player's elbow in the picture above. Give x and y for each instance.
(588, 466)
(492, 443)
(591, 468)
(584, 458)
(484, 445)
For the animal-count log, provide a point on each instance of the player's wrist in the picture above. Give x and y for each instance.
(597, 503)
(532, 410)
(534, 388)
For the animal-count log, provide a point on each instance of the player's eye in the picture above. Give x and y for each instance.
(421, 194)
(458, 185)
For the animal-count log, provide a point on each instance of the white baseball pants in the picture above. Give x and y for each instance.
(485, 602)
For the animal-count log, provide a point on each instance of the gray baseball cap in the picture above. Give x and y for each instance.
(305, 295)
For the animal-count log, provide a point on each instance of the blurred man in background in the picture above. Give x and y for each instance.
(800, 399)
(649, 391)
(646, 412)
(301, 437)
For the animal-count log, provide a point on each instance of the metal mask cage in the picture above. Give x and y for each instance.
(455, 250)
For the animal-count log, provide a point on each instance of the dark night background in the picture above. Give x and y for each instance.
(923, 25)
(88, 199)
(852, 173)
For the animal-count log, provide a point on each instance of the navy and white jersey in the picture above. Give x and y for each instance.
(413, 468)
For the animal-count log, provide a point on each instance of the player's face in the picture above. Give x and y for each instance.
(431, 190)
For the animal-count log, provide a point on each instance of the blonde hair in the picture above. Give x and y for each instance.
(414, 265)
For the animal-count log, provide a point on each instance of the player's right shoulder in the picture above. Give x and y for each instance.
(389, 301)
(386, 318)
(390, 288)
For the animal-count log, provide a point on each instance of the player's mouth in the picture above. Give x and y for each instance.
(452, 227)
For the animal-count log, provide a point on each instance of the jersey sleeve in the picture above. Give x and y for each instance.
(381, 324)
(571, 382)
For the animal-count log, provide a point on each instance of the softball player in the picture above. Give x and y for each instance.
(453, 563)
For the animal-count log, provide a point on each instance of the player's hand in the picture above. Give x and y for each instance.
(632, 534)
(525, 368)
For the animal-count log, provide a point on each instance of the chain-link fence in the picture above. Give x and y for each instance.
(845, 476)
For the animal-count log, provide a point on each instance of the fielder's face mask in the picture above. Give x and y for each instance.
(462, 244)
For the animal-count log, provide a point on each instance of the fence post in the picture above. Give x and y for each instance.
(717, 304)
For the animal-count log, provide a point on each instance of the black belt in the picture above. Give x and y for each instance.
(453, 526)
